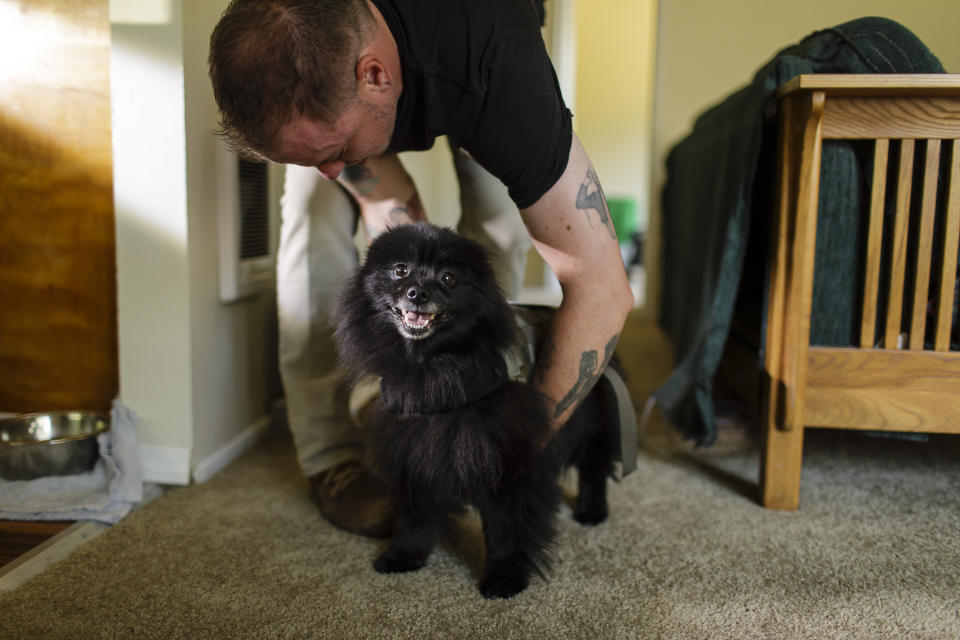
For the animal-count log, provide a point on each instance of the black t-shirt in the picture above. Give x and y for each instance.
(478, 72)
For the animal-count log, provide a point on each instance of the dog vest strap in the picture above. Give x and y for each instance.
(628, 422)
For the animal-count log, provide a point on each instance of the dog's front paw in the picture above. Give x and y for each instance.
(391, 561)
(590, 513)
(501, 582)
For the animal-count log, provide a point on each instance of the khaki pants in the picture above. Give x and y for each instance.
(316, 254)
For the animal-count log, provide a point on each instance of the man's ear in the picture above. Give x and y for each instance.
(372, 75)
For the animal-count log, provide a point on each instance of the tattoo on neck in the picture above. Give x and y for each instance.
(590, 196)
(590, 370)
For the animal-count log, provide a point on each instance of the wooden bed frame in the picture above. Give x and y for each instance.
(898, 384)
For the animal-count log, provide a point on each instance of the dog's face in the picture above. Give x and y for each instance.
(429, 284)
(422, 298)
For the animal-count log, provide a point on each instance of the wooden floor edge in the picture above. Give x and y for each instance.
(56, 548)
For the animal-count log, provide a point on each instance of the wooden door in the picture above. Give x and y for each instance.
(58, 319)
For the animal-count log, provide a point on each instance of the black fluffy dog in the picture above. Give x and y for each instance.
(424, 313)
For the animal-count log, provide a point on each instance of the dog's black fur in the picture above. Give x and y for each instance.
(425, 314)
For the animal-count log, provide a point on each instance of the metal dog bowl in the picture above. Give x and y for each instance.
(54, 443)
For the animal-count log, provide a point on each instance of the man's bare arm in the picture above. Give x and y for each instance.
(571, 228)
(385, 192)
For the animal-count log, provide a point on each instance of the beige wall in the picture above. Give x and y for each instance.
(613, 108)
(707, 49)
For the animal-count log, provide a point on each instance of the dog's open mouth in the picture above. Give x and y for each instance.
(415, 319)
(417, 324)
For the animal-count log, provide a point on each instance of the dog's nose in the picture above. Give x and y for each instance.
(418, 295)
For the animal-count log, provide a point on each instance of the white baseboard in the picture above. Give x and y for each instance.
(165, 465)
(215, 462)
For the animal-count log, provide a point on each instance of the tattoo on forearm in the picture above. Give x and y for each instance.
(398, 216)
(412, 212)
(361, 178)
(590, 196)
(590, 370)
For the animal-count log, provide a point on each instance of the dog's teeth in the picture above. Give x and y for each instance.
(416, 319)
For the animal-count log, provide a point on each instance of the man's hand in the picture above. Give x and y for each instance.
(385, 192)
(571, 228)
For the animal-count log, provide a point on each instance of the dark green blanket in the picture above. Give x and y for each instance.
(718, 201)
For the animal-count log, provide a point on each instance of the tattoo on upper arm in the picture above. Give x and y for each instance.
(590, 196)
(361, 177)
(590, 370)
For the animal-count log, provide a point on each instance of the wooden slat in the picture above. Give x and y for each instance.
(903, 117)
(849, 368)
(948, 271)
(892, 410)
(800, 284)
(871, 284)
(781, 233)
(883, 389)
(875, 84)
(786, 343)
(899, 251)
(928, 211)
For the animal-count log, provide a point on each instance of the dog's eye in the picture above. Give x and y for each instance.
(400, 271)
(448, 279)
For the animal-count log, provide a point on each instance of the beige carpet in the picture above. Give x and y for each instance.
(874, 552)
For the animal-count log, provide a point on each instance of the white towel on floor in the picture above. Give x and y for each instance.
(106, 493)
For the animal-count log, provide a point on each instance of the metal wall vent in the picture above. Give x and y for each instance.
(247, 229)
(253, 178)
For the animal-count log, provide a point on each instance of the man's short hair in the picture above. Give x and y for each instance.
(272, 60)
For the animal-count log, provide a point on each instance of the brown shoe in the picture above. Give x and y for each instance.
(353, 499)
